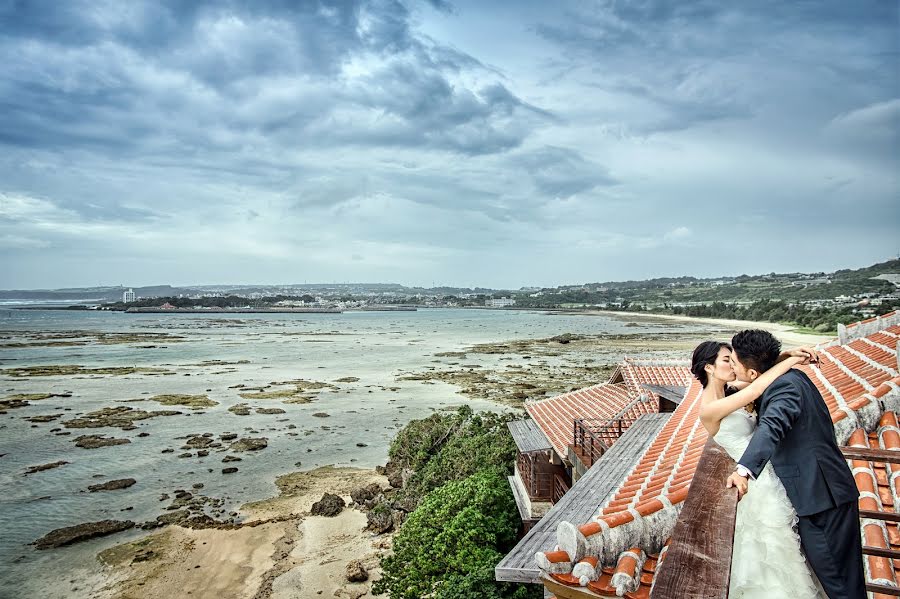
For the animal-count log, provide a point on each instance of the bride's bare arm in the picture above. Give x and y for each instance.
(713, 412)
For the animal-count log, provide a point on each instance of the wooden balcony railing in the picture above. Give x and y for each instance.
(525, 469)
(560, 488)
(698, 562)
(588, 446)
(539, 476)
(593, 436)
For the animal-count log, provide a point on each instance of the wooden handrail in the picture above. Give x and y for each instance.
(876, 515)
(881, 552)
(698, 562)
(873, 455)
(883, 589)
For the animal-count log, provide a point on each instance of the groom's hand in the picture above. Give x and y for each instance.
(739, 482)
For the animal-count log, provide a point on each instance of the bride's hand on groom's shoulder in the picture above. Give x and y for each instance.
(808, 353)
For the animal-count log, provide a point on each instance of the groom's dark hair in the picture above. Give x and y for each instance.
(756, 349)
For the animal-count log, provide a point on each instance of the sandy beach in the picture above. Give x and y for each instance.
(300, 556)
(788, 335)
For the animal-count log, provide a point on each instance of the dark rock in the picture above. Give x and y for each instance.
(230, 458)
(43, 467)
(202, 453)
(379, 519)
(361, 445)
(143, 434)
(176, 517)
(169, 450)
(95, 441)
(122, 483)
(363, 494)
(270, 411)
(250, 444)
(185, 455)
(356, 572)
(230, 470)
(330, 505)
(197, 443)
(321, 415)
(228, 436)
(395, 479)
(81, 532)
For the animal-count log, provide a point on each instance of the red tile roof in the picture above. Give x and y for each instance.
(555, 416)
(860, 384)
(637, 373)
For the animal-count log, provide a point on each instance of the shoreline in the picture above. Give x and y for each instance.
(785, 333)
(300, 554)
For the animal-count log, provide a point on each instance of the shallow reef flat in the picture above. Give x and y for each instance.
(25, 339)
(23, 372)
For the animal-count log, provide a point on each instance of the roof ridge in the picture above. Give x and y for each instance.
(864, 328)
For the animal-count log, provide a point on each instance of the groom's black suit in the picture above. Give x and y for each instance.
(795, 433)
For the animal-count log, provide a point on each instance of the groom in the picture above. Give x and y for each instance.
(795, 433)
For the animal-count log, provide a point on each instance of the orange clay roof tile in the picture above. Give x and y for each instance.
(664, 472)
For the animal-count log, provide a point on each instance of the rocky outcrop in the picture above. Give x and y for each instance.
(81, 532)
(250, 444)
(95, 441)
(362, 495)
(240, 409)
(330, 505)
(379, 519)
(43, 467)
(197, 442)
(356, 572)
(120, 416)
(113, 485)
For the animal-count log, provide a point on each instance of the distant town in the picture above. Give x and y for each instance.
(818, 301)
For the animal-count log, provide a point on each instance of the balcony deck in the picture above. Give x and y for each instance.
(583, 499)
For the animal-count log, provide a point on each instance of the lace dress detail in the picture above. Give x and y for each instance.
(767, 562)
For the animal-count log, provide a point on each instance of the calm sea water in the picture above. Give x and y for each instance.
(375, 347)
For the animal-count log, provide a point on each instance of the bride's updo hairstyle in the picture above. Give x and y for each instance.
(705, 353)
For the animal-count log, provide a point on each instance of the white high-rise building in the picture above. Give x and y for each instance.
(128, 296)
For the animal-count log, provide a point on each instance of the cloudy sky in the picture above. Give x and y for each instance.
(450, 142)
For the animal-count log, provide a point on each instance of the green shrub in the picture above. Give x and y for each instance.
(448, 447)
(449, 546)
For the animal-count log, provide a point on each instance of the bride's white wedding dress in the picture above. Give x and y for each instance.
(766, 562)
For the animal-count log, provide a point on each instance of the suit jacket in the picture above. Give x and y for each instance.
(794, 432)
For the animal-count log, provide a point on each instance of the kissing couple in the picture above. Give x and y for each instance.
(797, 527)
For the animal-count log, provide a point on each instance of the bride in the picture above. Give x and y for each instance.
(767, 562)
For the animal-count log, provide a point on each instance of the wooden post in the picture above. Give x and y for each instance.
(698, 562)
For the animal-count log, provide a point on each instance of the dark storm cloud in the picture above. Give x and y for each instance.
(497, 143)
